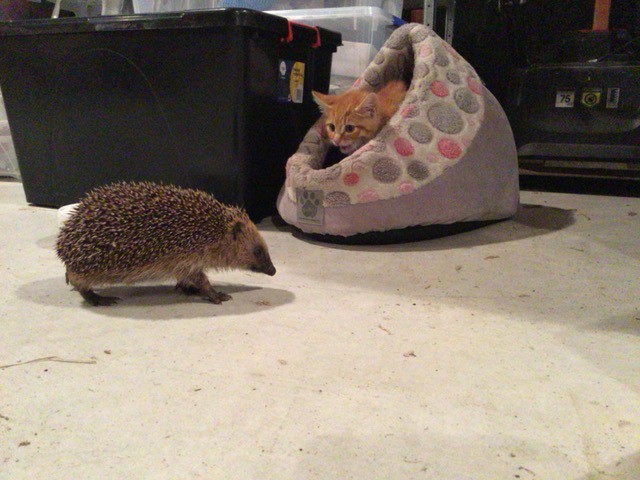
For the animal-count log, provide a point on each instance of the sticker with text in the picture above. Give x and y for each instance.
(565, 98)
(613, 97)
(290, 81)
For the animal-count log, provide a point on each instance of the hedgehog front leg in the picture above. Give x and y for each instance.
(198, 284)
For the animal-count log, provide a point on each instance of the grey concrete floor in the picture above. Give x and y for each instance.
(509, 352)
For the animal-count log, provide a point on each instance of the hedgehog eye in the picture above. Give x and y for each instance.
(348, 128)
(258, 252)
(331, 127)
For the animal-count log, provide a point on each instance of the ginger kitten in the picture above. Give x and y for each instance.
(356, 116)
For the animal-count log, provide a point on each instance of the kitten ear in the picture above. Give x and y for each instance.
(369, 106)
(323, 101)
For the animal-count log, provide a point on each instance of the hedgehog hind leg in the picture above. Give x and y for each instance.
(87, 292)
(187, 287)
(198, 284)
(97, 300)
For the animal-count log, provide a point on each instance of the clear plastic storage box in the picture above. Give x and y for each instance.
(392, 7)
(364, 30)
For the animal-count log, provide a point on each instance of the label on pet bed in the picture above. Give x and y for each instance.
(291, 82)
(309, 208)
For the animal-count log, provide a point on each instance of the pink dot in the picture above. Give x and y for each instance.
(351, 179)
(293, 166)
(406, 187)
(359, 151)
(408, 111)
(358, 165)
(403, 146)
(425, 51)
(368, 196)
(439, 89)
(449, 148)
(365, 148)
(474, 85)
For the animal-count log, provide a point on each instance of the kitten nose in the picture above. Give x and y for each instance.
(336, 140)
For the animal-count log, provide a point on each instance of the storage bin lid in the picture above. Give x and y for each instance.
(216, 18)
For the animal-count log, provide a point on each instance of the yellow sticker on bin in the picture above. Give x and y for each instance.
(296, 83)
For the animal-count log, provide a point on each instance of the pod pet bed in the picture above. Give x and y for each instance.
(445, 162)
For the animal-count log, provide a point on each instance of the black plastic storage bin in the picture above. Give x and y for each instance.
(576, 111)
(216, 100)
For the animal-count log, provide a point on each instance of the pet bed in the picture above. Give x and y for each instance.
(445, 162)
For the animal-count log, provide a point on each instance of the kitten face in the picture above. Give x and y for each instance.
(351, 119)
(356, 116)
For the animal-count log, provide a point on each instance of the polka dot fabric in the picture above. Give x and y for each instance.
(431, 131)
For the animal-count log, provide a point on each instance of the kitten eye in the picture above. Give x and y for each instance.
(348, 128)
(331, 127)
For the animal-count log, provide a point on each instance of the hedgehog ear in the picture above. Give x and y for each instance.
(237, 229)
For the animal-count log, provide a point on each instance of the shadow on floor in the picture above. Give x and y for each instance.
(629, 324)
(413, 458)
(529, 221)
(627, 468)
(581, 185)
(157, 302)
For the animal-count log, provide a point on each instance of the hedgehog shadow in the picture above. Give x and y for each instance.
(157, 302)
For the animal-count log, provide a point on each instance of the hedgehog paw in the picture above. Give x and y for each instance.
(217, 297)
(98, 300)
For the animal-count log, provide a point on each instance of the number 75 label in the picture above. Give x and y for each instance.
(565, 98)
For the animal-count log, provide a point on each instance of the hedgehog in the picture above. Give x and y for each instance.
(128, 232)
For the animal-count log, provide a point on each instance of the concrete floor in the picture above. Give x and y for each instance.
(509, 352)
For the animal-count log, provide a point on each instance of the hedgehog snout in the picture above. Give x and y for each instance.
(271, 271)
(268, 269)
(262, 261)
(264, 267)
